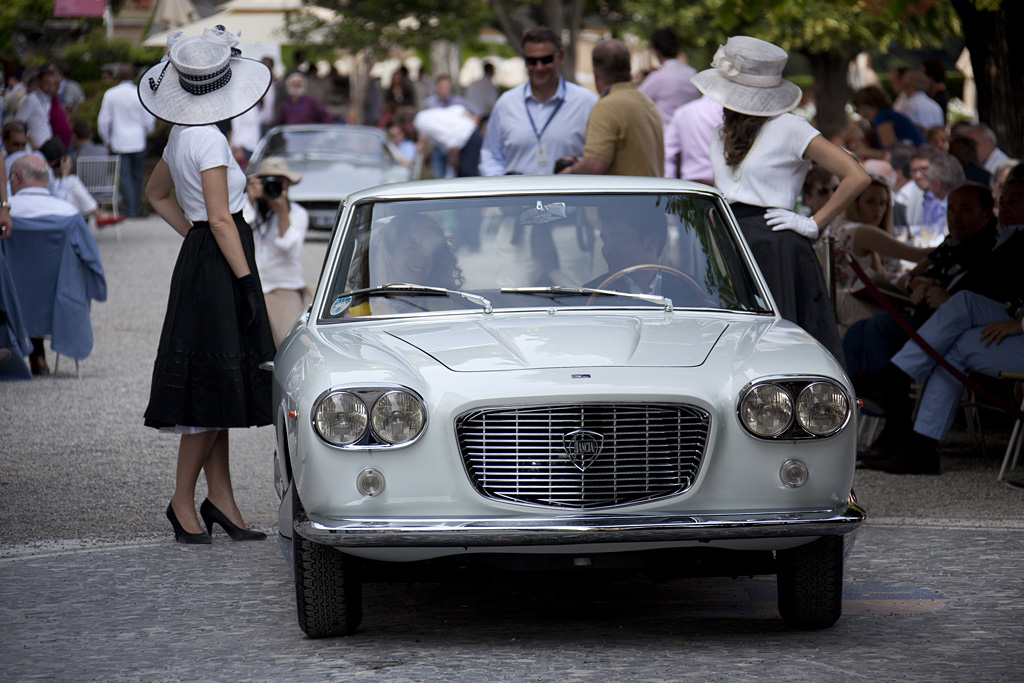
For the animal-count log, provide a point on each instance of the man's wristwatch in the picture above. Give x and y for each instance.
(5, 204)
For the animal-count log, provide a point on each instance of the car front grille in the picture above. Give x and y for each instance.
(583, 456)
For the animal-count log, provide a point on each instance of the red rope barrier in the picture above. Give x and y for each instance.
(957, 374)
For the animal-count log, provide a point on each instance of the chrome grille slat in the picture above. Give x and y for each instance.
(518, 454)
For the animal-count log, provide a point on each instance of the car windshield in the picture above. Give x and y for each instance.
(328, 142)
(667, 251)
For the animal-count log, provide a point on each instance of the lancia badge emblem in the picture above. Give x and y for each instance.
(582, 447)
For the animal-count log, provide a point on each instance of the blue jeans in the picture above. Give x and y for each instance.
(439, 162)
(132, 170)
(955, 331)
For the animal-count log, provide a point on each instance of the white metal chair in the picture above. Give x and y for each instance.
(101, 176)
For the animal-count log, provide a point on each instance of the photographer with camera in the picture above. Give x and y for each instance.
(279, 227)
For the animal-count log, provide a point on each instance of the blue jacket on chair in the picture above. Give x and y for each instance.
(56, 268)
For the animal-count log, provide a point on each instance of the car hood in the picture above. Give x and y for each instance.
(336, 178)
(556, 342)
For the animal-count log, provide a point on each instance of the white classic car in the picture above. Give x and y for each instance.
(335, 160)
(557, 373)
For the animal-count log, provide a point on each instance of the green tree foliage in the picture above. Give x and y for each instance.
(379, 26)
(86, 58)
(29, 32)
(828, 33)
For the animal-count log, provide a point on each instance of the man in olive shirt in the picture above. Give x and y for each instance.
(624, 131)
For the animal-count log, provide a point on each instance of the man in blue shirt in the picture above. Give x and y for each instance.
(541, 121)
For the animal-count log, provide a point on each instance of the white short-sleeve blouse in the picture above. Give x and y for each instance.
(191, 150)
(772, 174)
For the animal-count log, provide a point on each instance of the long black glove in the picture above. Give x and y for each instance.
(250, 298)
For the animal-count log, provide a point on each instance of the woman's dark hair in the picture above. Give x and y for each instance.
(445, 271)
(53, 150)
(872, 96)
(738, 133)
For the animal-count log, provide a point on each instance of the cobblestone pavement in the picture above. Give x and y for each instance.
(93, 588)
(922, 604)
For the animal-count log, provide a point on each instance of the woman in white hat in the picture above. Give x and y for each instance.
(760, 155)
(279, 226)
(206, 377)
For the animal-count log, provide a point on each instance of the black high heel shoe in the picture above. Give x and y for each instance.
(211, 515)
(182, 536)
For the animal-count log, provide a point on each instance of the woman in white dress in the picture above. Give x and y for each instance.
(760, 155)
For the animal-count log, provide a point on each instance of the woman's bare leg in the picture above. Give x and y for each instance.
(193, 452)
(218, 479)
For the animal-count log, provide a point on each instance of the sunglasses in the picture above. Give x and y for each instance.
(534, 61)
(826, 191)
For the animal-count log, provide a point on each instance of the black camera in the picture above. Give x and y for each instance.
(272, 187)
(563, 164)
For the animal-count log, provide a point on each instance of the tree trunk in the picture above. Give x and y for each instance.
(998, 61)
(565, 17)
(444, 60)
(832, 92)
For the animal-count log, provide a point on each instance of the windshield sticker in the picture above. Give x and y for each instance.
(340, 304)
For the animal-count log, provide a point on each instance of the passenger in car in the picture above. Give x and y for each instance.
(419, 253)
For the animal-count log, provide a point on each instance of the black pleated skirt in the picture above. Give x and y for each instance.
(791, 269)
(207, 371)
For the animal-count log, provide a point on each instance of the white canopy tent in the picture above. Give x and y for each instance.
(262, 23)
(173, 13)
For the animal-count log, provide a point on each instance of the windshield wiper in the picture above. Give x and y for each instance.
(406, 289)
(588, 291)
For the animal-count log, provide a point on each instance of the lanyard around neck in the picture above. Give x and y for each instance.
(558, 106)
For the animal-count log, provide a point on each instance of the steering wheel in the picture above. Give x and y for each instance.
(655, 267)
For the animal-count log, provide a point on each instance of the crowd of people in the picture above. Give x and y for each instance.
(897, 187)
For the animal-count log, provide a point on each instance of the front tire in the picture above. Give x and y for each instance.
(810, 583)
(328, 589)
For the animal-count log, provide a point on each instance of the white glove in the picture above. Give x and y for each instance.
(781, 219)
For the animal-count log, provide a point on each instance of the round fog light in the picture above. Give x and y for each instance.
(370, 482)
(793, 473)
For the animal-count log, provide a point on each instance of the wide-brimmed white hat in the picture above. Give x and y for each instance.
(746, 77)
(203, 79)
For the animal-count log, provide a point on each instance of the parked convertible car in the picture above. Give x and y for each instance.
(334, 160)
(557, 373)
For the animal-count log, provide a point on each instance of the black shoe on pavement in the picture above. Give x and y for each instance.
(920, 456)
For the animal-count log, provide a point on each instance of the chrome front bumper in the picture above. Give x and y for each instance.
(574, 530)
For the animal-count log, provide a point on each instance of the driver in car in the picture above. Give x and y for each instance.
(633, 239)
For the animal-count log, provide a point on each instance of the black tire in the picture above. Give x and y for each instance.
(810, 583)
(328, 589)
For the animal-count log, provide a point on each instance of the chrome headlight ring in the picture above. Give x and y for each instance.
(392, 416)
(816, 407)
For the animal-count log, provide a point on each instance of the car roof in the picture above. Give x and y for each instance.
(524, 184)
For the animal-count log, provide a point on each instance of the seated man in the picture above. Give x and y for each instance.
(55, 278)
(869, 344)
(633, 237)
(970, 331)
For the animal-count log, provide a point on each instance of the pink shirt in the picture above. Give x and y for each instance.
(689, 134)
(670, 87)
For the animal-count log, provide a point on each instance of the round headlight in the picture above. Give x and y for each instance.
(397, 417)
(766, 410)
(821, 408)
(340, 418)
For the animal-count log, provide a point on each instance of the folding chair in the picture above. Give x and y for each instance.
(101, 176)
(1017, 435)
